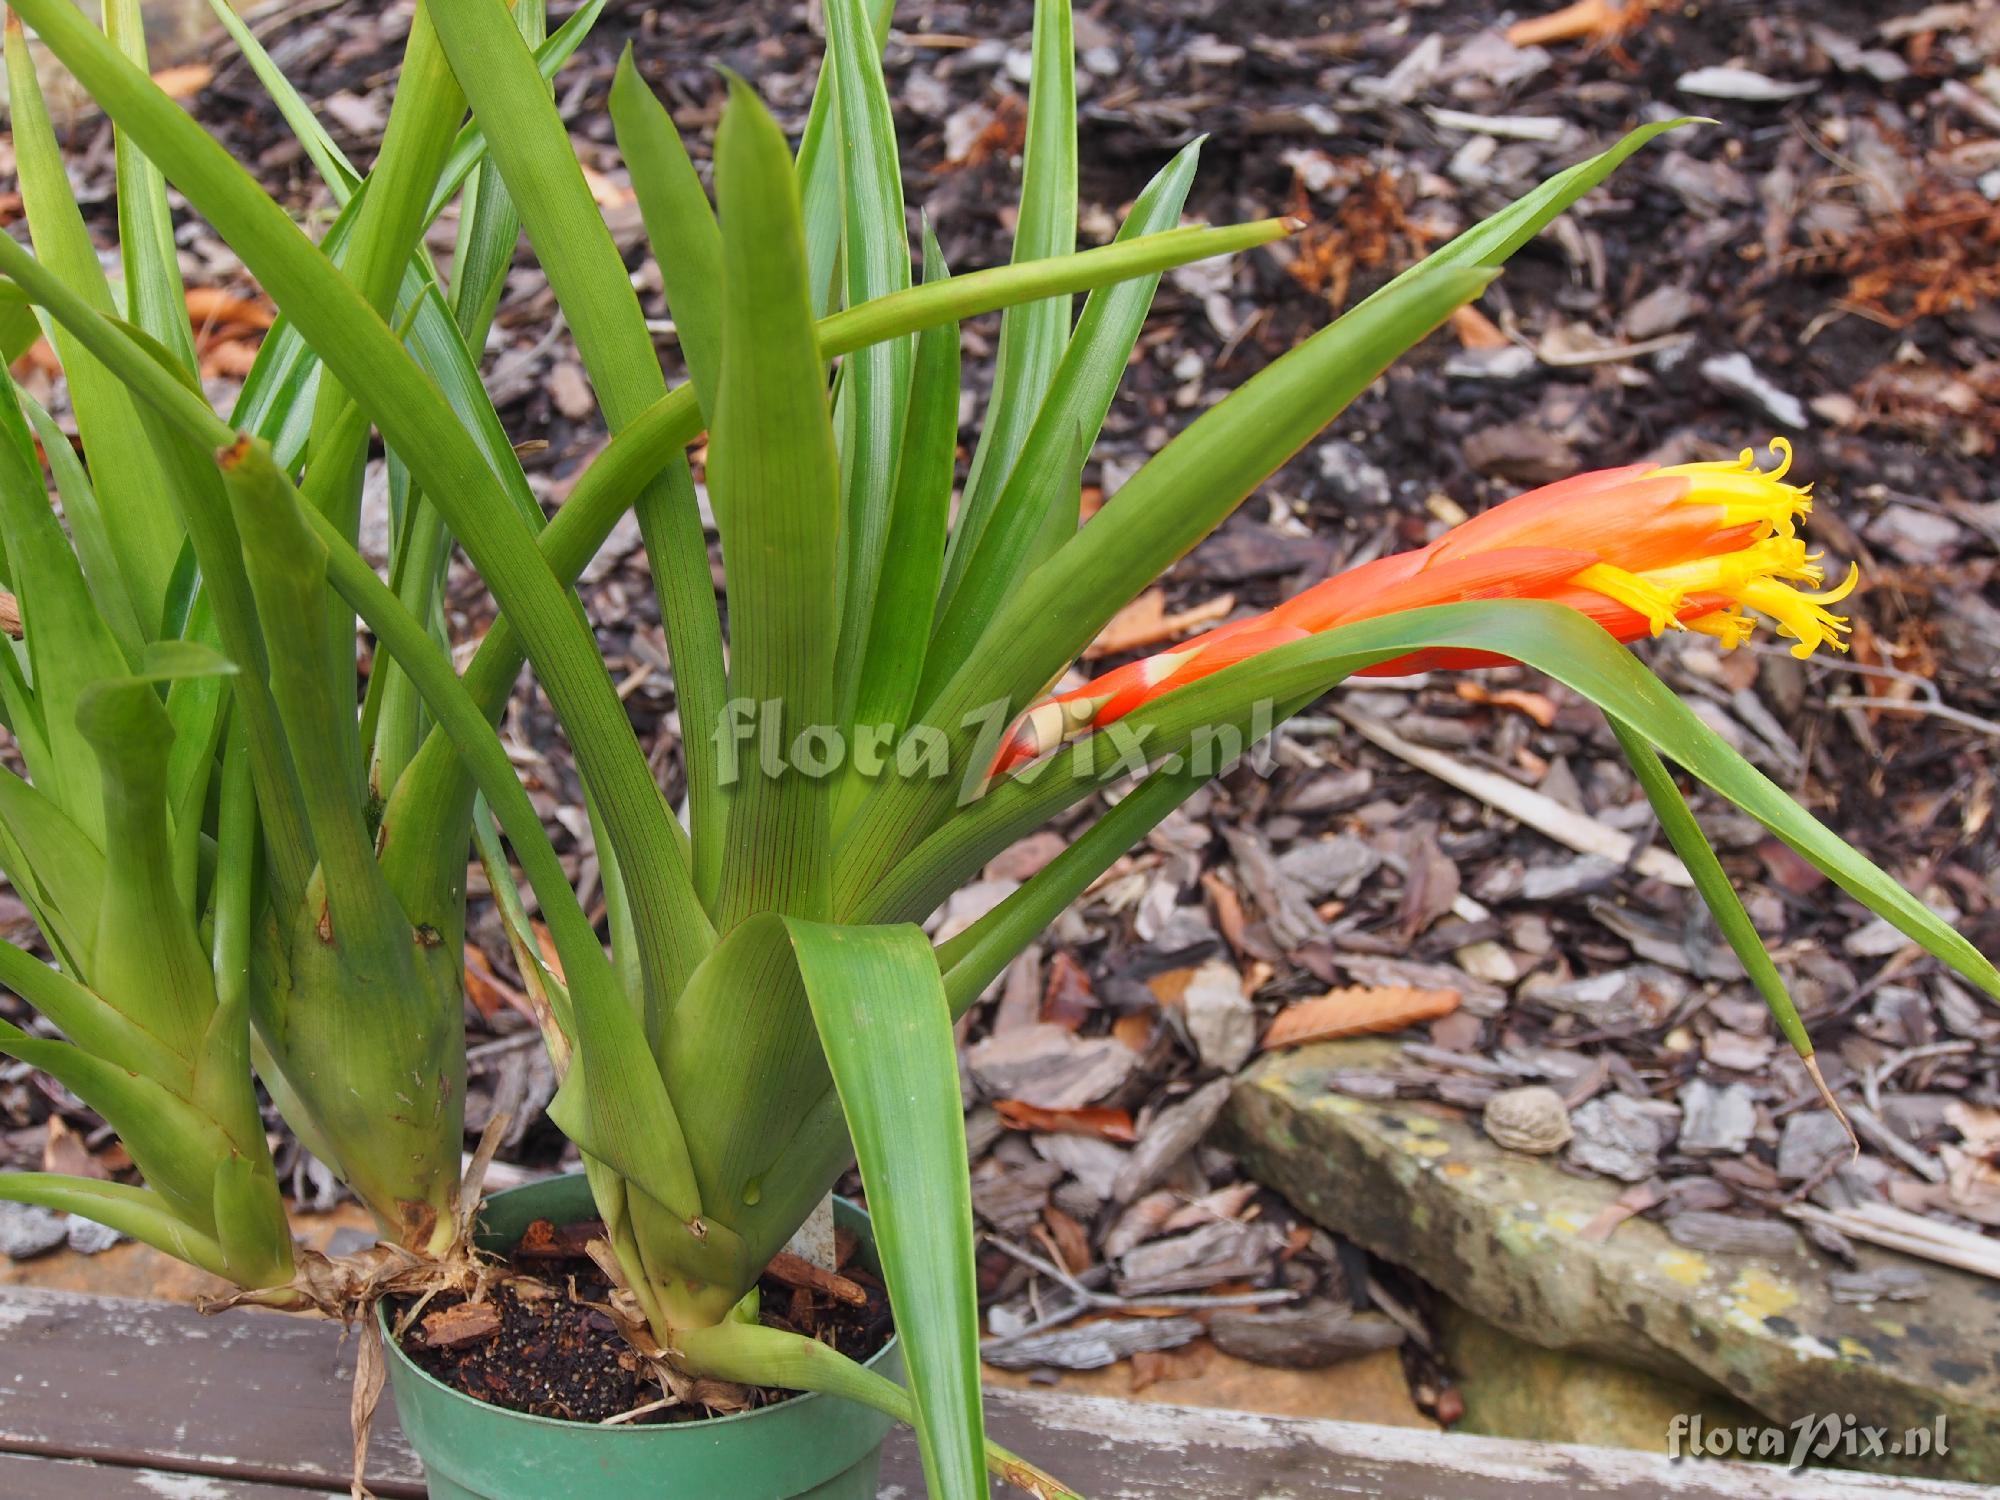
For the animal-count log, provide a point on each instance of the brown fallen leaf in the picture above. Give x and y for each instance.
(209, 306)
(1477, 331)
(1067, 998)
(1228, 909)
(1600, 20)
(227, 359)
(1104, 1124)
(1356, 1011)
(64, 1152)
(1145, 622)
(1537, 706)
(184, 81)
(1135, 1029)
(488, 992)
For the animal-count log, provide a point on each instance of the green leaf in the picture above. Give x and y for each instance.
(530, 145)
(82, 1015)
(1492, 242)
(1032, 335)
(147, 956)
(174, 1147)
(144, 535)
(89, 535)
(888, 1037)
(752, 1354)
(822, 177)
(742, 1041)
(154, 296)
(773, 482)
(139, 1212)
(635, 454)
(277, 397)
(55, 866)
(1678, 823)
(913, 560)
(874, 381)
(679, 222)
(1036, 508)
(326, 156)
(69, 646)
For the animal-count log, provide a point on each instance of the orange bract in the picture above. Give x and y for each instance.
(1640, 549)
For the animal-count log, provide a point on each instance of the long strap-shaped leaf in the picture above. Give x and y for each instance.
(875, 381)
(913, 559)
(1031, 335)
(365, 356)
(530, 146)
(888, 1037)
(1712, 881)
(775, 486)
(138, 514)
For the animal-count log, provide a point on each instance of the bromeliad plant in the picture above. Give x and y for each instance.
(769, 1010)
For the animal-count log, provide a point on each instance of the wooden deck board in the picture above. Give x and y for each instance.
(163, 1403)
(26, 1478)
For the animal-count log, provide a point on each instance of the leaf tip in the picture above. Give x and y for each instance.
(1826, 1094)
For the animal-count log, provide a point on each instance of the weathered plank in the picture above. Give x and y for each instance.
(250, 1395)
(1132, 1450)
(252, 1406)
(24, 1478)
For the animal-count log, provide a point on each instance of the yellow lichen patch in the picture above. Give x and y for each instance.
(1568, 1220)
(1855, 1349)
(1891, 1327)
(1683, 1266)
(1427, 1146)
(1758, 1294)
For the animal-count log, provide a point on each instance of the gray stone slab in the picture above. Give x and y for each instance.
(1502, 1234)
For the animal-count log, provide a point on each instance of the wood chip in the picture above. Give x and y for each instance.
(466, 1323)
(797, 1271)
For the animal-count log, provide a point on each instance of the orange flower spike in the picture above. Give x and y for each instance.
(1640, 550)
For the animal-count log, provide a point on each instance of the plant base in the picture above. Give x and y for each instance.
(810, 1446)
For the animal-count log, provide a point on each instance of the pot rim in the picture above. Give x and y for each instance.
(622, 1430)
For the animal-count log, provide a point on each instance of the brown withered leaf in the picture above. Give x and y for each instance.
(1097, 1122)
(1067, 997)
(1355, 1011)
(64, 1152)
(212, 307)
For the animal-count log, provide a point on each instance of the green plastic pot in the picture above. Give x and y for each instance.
(808, 1448)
